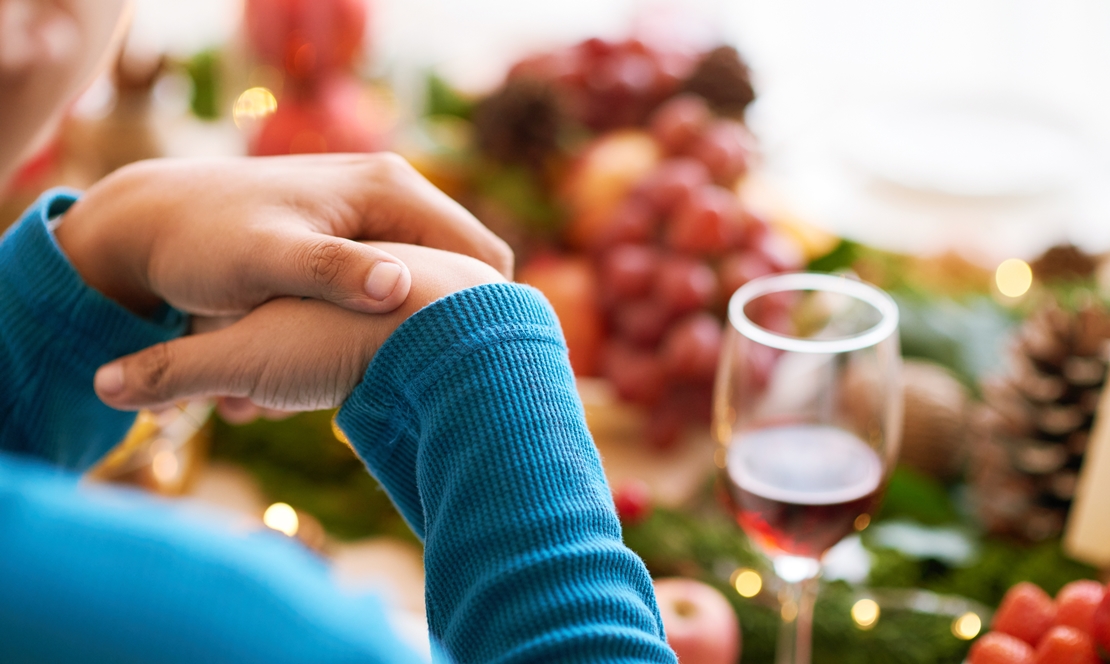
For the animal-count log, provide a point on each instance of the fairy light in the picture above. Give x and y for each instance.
(164, 466)
(967, 626)
(862, 521)
(865, 613)
(1013, 277)
(253, 104)
(747, 582)
(282, 518)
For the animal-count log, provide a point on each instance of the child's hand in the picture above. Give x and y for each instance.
(223, 236)
(290, 353)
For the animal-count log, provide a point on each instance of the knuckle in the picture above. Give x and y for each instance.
(154, 371)
(325, 263)
(391, 167)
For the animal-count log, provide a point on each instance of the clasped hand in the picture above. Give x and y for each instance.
(238, 237)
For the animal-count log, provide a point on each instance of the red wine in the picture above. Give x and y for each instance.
(799, 489)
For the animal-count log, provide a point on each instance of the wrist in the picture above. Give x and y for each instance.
(104, 237)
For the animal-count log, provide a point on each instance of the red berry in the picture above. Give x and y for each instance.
(1076, 604)
(1026, 612)
(628, 270)
(724, 147)
(1066, 645)
(633, 221)
(709, 222)
(673, 182)
(999, 648)
(642, 322)
(684, 284)
(739, 268)
(690, 349)
(637, 375)
(1100, 622)
(632, 498)
(680, 122)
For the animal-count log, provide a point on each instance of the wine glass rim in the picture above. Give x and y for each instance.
(813, 281)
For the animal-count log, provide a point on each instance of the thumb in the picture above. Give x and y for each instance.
(348, 273)
(168, 372)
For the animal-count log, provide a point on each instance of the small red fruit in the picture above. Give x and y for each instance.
(679, 122)
(1076, 604)
(642, 322)
(632, 499)
(1066, 645)
(691, 348)
(724, 148)
(1100, 622)
(709, 222)
(999, 648)
(684, 284)
(739, 268)
(637, 375)
(673, 182)
(1026, 612)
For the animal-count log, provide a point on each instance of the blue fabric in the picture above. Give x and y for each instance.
(467, 415)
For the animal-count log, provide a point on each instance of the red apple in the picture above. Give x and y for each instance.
(570, 285)
(340, 116)
(602, 177)
(308, 38)
(701, 626)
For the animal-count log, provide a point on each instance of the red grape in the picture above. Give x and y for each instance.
(628, 270)
(673, 182)
(633, 221)
(680, 122)
(642, 321)
(636, 374)
(724, 147)
(665, 424)
(684, 284)
(691, 347)
(708, 223)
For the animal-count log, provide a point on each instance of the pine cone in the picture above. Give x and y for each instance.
(1064, 262)
(1031, 433)
(519, 123)
(723, 80)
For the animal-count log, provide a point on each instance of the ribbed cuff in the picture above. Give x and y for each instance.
(41, 277)
(381, 416)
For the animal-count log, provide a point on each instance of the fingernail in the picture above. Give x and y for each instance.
(383, 280)
(109, 379)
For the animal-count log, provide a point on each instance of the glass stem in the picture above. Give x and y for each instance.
(796, 630)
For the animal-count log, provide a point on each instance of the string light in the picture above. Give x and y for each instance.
(865, 613)
(253, 104)
(967, 626)
(1013, 277)
(747, 582)
(282, 518)
(862, 521)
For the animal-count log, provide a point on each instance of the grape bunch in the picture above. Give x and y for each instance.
(606, 84)
(668, 258)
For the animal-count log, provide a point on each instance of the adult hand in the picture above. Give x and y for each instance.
(222, 236)
(288, 354)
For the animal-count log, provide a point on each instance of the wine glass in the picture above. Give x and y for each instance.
(808, 416)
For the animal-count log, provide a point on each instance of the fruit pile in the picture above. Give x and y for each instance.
(657, 214)
(1032, 628)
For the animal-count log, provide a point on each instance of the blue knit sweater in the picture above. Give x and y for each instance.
(468, 416)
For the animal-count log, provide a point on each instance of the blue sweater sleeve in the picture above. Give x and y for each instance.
(469, 417)
(54, 333)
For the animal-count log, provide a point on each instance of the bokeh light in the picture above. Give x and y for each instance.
(253, 104)
(747, 582)
(967, 626)
(282, 518)
(865, 613)
(1013, 277)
